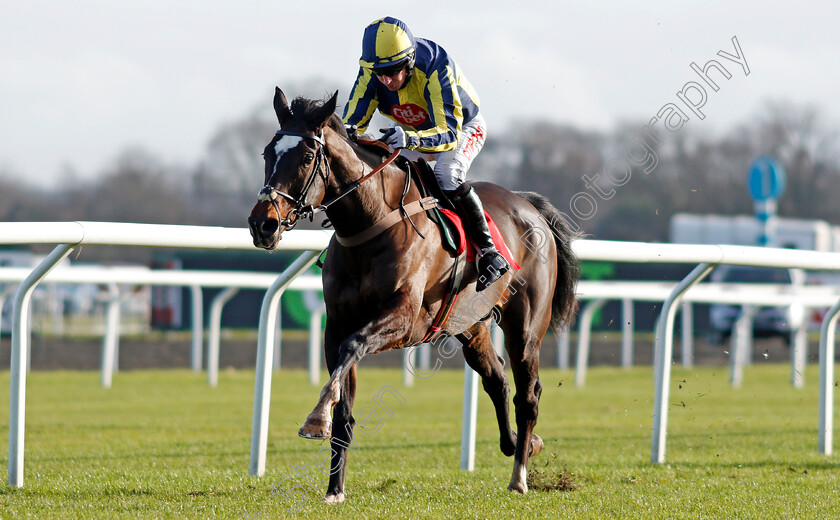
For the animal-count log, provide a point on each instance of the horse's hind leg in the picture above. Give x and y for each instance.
(480, 356)
(524, 359)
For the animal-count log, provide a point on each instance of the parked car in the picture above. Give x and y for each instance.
(767, 321)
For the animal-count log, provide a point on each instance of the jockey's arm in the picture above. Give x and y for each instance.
(362, 103)
(446, 114)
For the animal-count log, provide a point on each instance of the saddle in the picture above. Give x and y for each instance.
(444, 214)
(424, 178)
(454, 238)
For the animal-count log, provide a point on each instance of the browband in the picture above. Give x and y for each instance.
(314, 137)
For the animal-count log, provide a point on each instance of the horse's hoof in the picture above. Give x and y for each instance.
(316, 429)
(536, 445)
(507, 447)
(519, 479)
(334, 499)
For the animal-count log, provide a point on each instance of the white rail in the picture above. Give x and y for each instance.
(113, 275)
(706, 256)
(68, 235)
(149, 235)
(771, 295)
(617, 251)
(142, 276)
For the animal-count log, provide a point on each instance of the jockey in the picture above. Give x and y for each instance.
(415, 83)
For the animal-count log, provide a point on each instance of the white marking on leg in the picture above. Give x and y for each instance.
(334, 499)
(519, 480)
(523, 475)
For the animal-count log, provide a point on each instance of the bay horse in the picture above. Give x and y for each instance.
(384, 292)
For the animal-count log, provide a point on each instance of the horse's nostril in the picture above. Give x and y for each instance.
(269, 226)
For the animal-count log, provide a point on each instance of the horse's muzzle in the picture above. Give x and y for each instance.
(265, 230)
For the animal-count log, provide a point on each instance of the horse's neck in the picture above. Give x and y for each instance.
(370, 202)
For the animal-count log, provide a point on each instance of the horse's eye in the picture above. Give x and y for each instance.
(308, 158)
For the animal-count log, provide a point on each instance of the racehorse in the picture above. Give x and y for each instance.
(384, 288)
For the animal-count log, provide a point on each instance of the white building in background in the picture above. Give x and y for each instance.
(691, 228)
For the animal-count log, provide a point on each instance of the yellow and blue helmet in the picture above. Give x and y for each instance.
(387, 43)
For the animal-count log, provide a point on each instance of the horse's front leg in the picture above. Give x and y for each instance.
(342, 416)
(342, 439)
(390, 328)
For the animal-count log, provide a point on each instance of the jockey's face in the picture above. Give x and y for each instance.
(395, 81)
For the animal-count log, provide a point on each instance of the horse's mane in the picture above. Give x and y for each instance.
(307, 110)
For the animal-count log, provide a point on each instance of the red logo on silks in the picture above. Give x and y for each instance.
(409, 114)
(472, 142)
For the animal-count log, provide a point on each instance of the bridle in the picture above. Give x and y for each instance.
(302, 208)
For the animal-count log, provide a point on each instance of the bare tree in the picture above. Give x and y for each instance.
(695, 172)
(139, 188)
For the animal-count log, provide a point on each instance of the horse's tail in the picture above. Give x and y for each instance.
(563, 304)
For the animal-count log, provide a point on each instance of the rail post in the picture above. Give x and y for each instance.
(664, 348)
(214, 333)
(826, 420)
(20, 348)
(265, 351)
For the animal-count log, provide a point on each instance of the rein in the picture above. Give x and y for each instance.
(302, 208)
(353, 186)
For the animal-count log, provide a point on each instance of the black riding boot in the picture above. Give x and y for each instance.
(491, 264)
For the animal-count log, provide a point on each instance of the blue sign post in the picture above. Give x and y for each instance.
(766, 183)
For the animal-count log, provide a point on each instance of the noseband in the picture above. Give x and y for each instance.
(301, 208)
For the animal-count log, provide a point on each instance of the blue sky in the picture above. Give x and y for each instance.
(80, 81)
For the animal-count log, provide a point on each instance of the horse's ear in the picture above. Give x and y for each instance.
(281, 106)
(326, 111)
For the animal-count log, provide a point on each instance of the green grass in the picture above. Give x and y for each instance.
(161, 444)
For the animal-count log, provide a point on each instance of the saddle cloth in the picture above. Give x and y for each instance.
(461, 239)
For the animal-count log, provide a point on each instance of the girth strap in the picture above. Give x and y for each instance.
(452, 291)
(387, 222)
